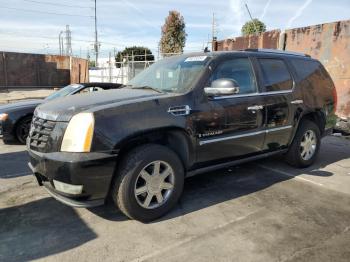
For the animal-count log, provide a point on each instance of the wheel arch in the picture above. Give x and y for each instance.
(318, 117)
(177, 139)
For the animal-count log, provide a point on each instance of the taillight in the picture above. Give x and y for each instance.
(335, 100)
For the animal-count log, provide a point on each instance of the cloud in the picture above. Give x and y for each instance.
(234, 17)
(141, 13)
(266, 7)
(298, 13)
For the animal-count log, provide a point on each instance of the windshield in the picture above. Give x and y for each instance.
(63, 92)
(175, 74)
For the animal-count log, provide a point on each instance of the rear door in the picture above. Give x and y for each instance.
(278, 99)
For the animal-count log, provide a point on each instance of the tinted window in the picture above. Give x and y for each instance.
(275, 74)
(240, 70)
(311, 70)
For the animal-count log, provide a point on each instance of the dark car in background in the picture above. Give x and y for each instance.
(182, 116)
(15, 118)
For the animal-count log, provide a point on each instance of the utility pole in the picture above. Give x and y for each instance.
(213, 32)
(96, 38)
(60, 43)
(255, 28)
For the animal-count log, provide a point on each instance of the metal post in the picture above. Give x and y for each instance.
(145, 59)
(110, 67)
(132, 65)
(122, 67)
(96, 37)
(5, 69)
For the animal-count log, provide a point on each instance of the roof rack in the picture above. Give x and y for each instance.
(276, 51)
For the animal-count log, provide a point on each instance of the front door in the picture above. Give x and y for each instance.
(232, 126)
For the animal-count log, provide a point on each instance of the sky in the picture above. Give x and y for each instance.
(34, 25)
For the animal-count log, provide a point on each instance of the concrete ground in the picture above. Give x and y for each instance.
(261, 211)
(18, 95)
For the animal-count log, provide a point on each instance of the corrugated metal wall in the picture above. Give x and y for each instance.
(18, 70)
(330, 43)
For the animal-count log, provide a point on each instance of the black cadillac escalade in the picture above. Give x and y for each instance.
(182, 116)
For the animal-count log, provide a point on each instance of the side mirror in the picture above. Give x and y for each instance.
(222, 87)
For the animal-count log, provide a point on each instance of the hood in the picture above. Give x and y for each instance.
(62, 109)
(7, 108)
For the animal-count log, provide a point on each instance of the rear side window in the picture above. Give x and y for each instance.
(276, 76)
(311, 70)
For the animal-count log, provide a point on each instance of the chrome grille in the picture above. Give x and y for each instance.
(39, 134)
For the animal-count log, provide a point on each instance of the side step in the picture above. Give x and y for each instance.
(234, 163)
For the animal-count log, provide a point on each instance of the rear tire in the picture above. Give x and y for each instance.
(306, 144)
(22, 129)
(149, 182)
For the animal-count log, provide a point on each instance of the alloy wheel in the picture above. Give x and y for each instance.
(154, 185)
(23, 130)
(308, 145)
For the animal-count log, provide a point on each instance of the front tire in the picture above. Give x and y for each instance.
(306, 144)
(149, 182)
(22, 129)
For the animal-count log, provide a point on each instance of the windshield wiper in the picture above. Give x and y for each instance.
(147, 87)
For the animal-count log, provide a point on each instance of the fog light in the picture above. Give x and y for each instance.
(68, 188)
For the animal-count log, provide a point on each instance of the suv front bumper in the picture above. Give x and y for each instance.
(92, 171)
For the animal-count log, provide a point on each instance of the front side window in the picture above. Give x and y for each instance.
(241, 71)
(276, 76)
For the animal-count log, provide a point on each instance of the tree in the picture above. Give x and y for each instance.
(140, 54)
(253, 27)
(92, 63)
(173, 34)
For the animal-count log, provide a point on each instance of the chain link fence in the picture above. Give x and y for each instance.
(121, 72)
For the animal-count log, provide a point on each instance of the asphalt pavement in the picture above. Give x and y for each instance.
(260, 211)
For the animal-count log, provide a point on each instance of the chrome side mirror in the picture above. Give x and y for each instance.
(222, 87)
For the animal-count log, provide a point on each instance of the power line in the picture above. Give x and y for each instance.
(55, 38)
(56, 4)
(42, 12)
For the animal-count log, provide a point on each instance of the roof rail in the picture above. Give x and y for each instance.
(276, 51)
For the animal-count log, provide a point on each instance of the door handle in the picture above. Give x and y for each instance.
(254, 108)
(297, 102)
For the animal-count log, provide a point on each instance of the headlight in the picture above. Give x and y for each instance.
(78, 135)
(3, 116)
